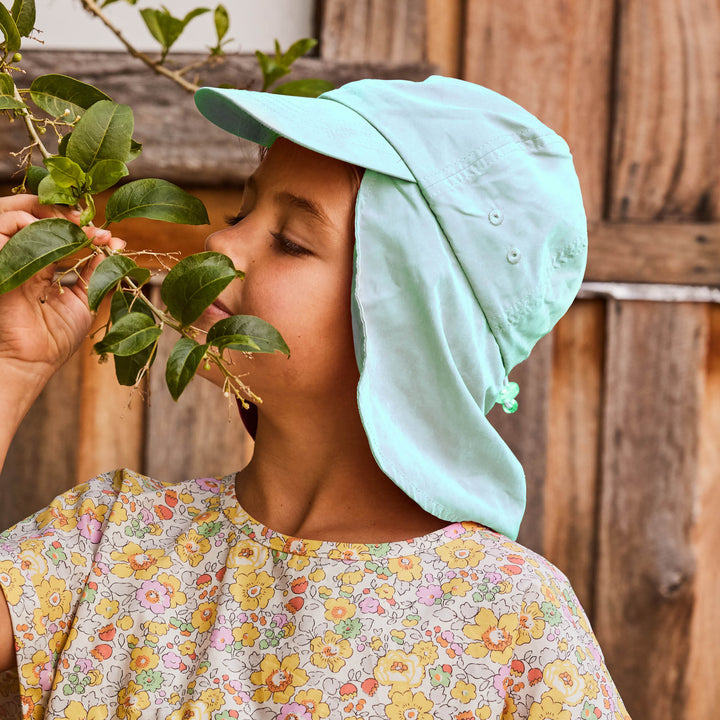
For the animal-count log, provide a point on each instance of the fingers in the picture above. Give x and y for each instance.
(100, 236)
(31, 204)
(11, 222)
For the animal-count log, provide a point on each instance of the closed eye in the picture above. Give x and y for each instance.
(284, 244)
(234, 219)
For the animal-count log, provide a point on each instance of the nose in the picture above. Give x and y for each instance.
(230, 242)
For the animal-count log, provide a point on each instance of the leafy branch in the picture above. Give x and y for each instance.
(95, 146)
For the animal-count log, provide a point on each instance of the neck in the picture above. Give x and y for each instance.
(313, 476)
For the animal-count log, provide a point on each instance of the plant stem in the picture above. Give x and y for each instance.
(92, 7)
(32, 130)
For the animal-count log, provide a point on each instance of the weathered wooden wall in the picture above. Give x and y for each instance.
(620, 406)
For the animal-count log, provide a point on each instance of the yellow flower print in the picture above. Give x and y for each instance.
(187, 648)
(457, 587)
(59, 517)
(483, 712)
(591, 686)
(509, 710)
(78, 560)
(191, 710)
(312, 700)
(125, 622)
(317, 575)
(107, 608)
(425, 651)
(330, 651)
(31, 671)
(156, 628)
(172, 585)
(409, 706)
(461, 553)
(252, 590)
(464, 692)
(31, 559)
(143, 658)
(278, 679)
(213, 698)
(247, 634)
(298, 562)
(400, 670)
(247, 556)
(495, 636)
(548, 709)
(531, 623)
(351, 578)
(132, 700)
(192, 547)
(349, 552)
(144, 564)
(54, 602)
(385, 591)
(407, 567)
(564, 681)
(77, 711)
(337, 609)
(12, 581)
(204, 617)
(297, 546)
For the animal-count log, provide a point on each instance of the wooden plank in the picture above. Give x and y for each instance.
(665, 156)
(573, 442)
(200, 435)
(680, 253)
(444, 35)
(526, 433)
(372, 30)
(645, 588)
(704, 661)
(111, 422)
(42, 459)
(553, 58)
(179, 144)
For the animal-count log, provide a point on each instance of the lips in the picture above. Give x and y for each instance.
(222, 307)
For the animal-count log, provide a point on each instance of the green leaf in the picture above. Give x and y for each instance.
(247, 333)
(135, 150)
(194, 283)
(36, 246)
(102, 133)
(182, 364)
(64, 172)
(123, 302)
(33, 177)
(8, 101)
(56, 93)
(155, 199)
(311, 87)
(271, 69)
(10, 31)
(222, 22)
(105, 174)
(62, 145)
(109, 273)
(296, 50)
(127, 368)
(23, 12)
(50, 193)
(130, 334)
(165, 28)
(193, 14)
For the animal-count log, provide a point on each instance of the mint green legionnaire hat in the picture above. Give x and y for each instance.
(471, 243)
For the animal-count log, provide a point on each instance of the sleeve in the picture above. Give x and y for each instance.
(558, 670)
(45, 563)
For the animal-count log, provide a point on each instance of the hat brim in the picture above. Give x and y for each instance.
(319, 124)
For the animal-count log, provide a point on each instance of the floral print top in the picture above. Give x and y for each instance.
(133, 598)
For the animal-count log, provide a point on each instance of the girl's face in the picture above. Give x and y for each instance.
(294, 238)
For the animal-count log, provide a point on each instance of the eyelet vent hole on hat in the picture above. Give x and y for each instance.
(495, 216)
(513, 256)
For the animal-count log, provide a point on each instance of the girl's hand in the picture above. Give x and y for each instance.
(41, 326)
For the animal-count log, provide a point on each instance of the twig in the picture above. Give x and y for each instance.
(32, 131)
(159, 68)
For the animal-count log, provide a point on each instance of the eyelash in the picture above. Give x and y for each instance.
(283, 243)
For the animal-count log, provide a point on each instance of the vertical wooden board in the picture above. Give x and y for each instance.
(704, 661)
(645, 589)
(42, 459)
(200, 435)
(526, 433)
(575, 398)
(111, 424)
(444, 35)
(665, 157)
(373, 30)
(554, 59)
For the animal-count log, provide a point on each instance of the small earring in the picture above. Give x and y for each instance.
(506, 396)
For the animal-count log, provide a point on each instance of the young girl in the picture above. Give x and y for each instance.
(411, 242)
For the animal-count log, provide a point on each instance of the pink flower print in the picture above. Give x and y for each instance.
(153, 596)
(429, 593)
(452, 648)
(221, 637)
(146, 515)
(493, 578)
(280, 620)
(172, 660)
(502, 681)
(85, 665)
(209, 485)
(369, 605)
(90, 527)
(454, 531)
(294, 711)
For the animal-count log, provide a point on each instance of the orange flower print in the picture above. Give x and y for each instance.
(548, 709)
(278, 679)
(409, 706)
(461, 553)
(337, 609)
(330, 651)
(312, 700)
(406, 568)
(192, 547)
(531, 623)
(143, 658)
(252, 590)
(494, 636)
(143, 564)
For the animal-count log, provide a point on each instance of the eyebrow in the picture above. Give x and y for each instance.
(297, 201)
